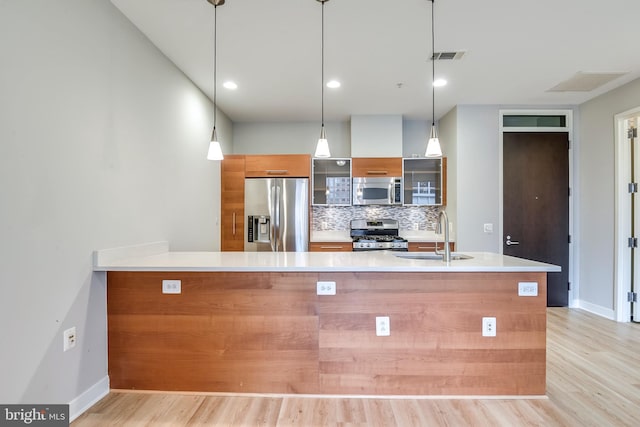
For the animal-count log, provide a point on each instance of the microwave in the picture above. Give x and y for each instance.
(377, 191)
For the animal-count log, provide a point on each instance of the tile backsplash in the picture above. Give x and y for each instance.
(337, 218)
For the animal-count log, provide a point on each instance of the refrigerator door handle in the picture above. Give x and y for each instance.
(277, 221)
(272, 226)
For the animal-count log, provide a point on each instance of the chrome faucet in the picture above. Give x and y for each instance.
(446, 255)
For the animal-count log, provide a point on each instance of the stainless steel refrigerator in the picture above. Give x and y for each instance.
(277, 212)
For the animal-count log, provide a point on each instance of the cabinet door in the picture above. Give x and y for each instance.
(429, 246)
(278, 165)
(330, 247)
(376, 166)
(331, 182)
(232, 203)
(424, 181)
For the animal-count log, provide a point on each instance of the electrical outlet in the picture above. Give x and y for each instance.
(488, 228)
(69, 339)
(527, 289)
(383, 326)
(489, 327)
(325, 288)
(171, 286)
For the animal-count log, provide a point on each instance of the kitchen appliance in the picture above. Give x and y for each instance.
(377, 191)
(379, 234)
(278, 214)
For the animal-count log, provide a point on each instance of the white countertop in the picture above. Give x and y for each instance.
(126, 259)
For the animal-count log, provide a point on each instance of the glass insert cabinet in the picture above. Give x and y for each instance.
(331, 182)
(424, 181)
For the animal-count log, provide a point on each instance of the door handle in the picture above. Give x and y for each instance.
(510, 242)
(234, 224)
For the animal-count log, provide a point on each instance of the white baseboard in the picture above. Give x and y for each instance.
(89, 398)
(597, 309)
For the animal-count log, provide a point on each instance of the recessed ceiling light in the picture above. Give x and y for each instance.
(439, 82)
(230, 85)
(333, 84)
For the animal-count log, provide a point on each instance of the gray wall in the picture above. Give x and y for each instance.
(595, 202)
(448, 134)
(477, 176)
(290, 138)
(102, 144)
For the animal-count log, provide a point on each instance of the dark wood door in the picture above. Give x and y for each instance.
(536, 204)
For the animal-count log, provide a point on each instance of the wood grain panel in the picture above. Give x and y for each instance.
(225, 332)
(429, 246)
(330, 246)
(278, 165)
(436, 345)
(232, 203)
(269, 332)
(376, 166)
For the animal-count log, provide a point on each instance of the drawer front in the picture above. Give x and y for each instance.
(428, 246)
(330, 247)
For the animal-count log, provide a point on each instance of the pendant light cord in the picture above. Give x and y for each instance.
(322, 66)
(433, 69)
(215, 54)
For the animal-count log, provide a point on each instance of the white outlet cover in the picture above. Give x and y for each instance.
(69, 339)
(325, 288)
(489, 327)
(383, 326)
(171, 286)
(528, 289)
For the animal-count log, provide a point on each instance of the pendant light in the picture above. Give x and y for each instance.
(322, 149)
(215, 151)
(433, 146)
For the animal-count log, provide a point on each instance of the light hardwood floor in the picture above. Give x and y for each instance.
(593, 379)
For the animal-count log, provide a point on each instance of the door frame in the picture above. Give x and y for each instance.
(573, 278)
(622, 270)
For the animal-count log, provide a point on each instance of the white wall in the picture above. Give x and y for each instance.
(477, 176)
(448, 134)
(290, 138)
(102, 144)
(595, 202)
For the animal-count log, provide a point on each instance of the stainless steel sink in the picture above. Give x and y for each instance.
(430, 255)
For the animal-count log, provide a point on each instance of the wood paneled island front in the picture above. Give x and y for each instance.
(253, 323)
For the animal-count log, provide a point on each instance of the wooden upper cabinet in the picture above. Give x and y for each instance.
(232, 203)
(376, 166)
(278, 165)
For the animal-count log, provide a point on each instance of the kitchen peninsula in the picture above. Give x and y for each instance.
(253, 322)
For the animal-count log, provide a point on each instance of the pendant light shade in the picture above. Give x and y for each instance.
(433, 146)
(322, 148)
(215, 150)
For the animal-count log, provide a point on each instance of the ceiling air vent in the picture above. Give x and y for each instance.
(585, 82)
(442, 56)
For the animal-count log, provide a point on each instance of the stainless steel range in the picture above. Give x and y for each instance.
(375, 235)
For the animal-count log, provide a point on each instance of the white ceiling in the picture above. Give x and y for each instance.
(515, 52)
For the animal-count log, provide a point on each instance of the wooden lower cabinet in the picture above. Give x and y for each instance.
(330, 247)
(429, 246)
(268, 332)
